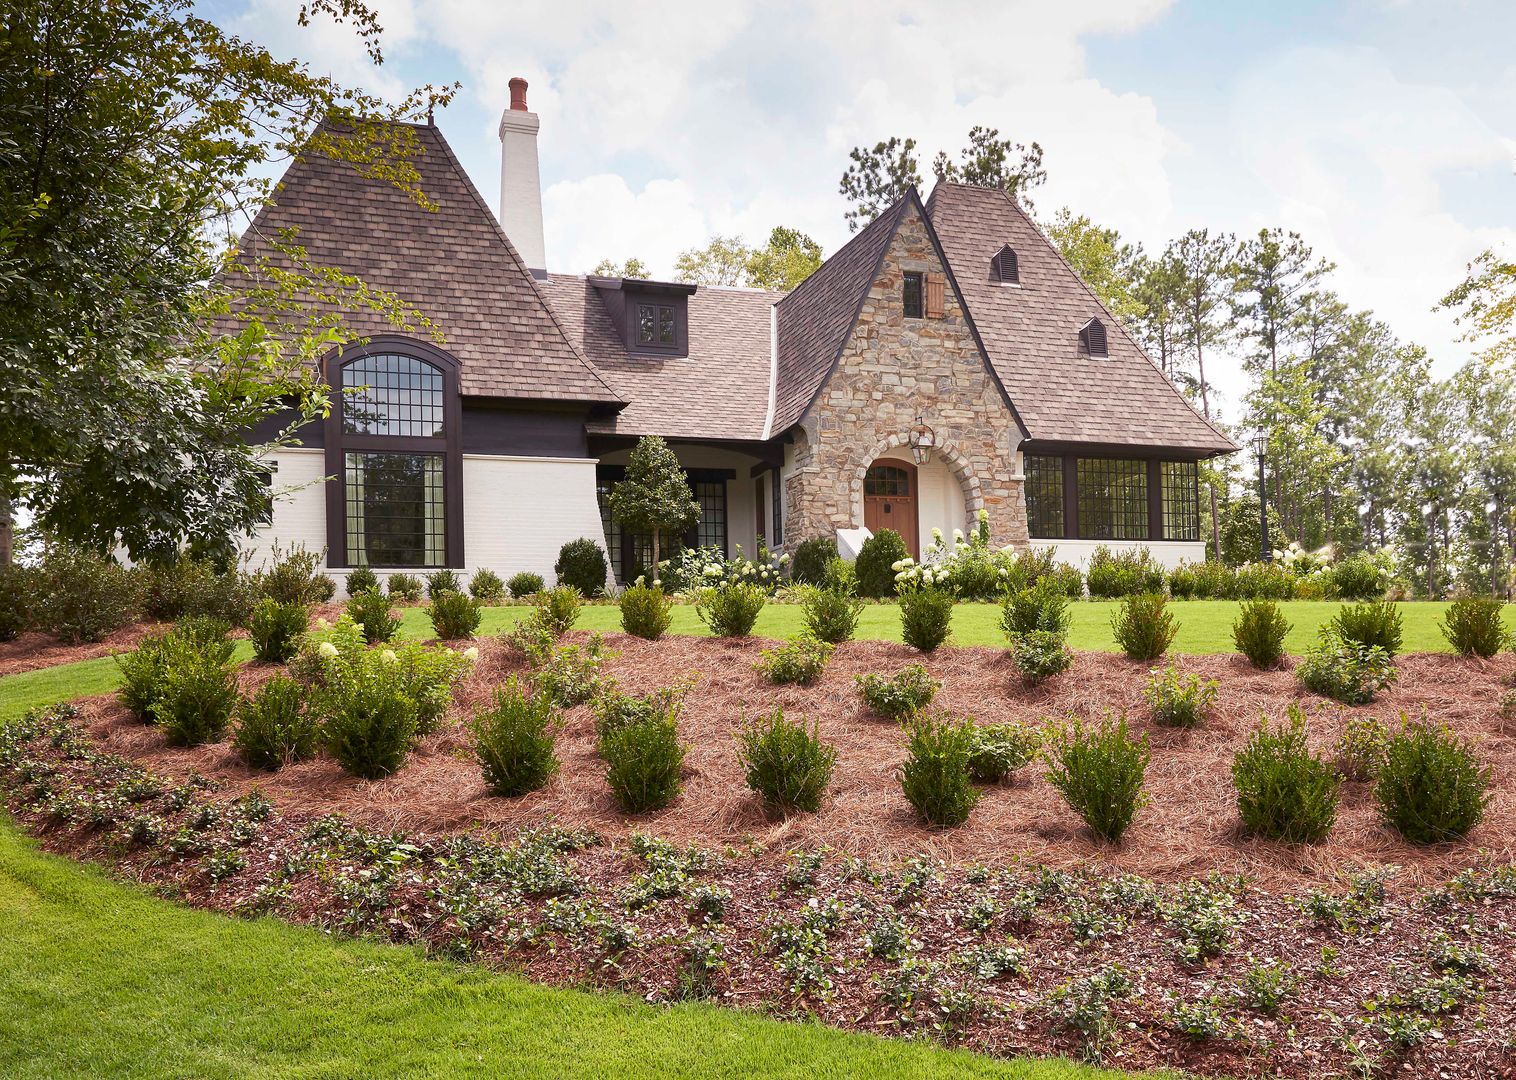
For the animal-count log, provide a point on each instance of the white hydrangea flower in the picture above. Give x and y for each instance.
(389, 657)
(322, 624)
(471, 653)
(328, 650)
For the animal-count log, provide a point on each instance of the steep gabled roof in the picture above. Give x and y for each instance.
(816, 318)
(453, 264)
(1031, 333)
(719, 391)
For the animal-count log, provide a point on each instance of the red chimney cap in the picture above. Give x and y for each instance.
(518, 94)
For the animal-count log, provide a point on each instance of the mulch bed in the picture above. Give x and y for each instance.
(1190, 828)
(34, 650)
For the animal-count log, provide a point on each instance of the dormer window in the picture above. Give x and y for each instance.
(1004, 267)
(651, 316)
(1092, 339)
(657, 326)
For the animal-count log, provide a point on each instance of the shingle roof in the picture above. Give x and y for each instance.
(719, 391)
(453, 264)
(816, 318)
(1031, 333)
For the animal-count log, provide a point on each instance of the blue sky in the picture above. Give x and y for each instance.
(1384, 132)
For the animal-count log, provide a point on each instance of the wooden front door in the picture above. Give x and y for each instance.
(889, 501)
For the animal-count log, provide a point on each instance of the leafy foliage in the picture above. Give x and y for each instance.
(581, 565)
(786, 762)
(197, 690)
(730, 609)
(404, 587)
(811, 559)
(486, 587)
(18, 586)
(1374, 624)
(454, 615)
(1180, 700)
(189, 587)
(1473, 626)
(643, 762)
(1043, 606)
(645, 611)
(275, 629)
(1039, 655)
(1143, 626)
(1285, 792)
(439, 582)
(876, 561)
(654, 496)
(1001, 749)
(361, 579)
(569, 675)
(559, 607)
(513, 740)
(524, 584)
(83, 596)
(801, 660)
(291, 577)
(1431, 786)
(1345, 671)
(1099, 772)
(375, 613)
(1359, 751)
(274, 727)
(830, 614)
(1111, 575)
(935, 776)
(926, 616)
(1259, 632)
(898, 696)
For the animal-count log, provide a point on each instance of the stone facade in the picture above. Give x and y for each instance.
(891, 371)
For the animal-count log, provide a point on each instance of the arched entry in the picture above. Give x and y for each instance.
(891, 501)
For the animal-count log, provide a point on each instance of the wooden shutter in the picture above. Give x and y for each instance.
(935, 304)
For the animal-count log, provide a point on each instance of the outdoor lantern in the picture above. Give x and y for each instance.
(922, 441)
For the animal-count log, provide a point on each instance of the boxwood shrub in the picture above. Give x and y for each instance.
(811, 559)
(274, 726)
(935, 775)
(645, 611)
(513, 740)
(876, 563)
(786, 762)
(1284, 791)
(1431, 787)
(581, 563)
(1099, 771)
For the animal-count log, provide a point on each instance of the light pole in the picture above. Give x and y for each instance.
(1265, 549)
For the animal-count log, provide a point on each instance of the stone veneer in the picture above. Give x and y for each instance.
(892, 370)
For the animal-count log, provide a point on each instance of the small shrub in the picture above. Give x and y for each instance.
(513, 740)
(901, 695)
(730, 609)
(645, 611)
(876, 563)
(83, 596)
(615, 710)
(811, 558)
(570, 674)
(582, 564)
(525, 584)
(1376, 624)
(831, 609)
(486, 587)
(1359, 751)
(276, 628)
(454, 615)
(935, 776)
(141, 676)
(1263, 581)
(274, 727)
(1473, 626)
(197, 693)
(291, 577)
(1259, 633)
(361, 579)
(1099, 772)
(1040, 655)
(1041, 607)
(1144, 627)
(1285, 792)
(426, 674)
(1184, 582)
(786, 763)
(324, 586)
(1180, 700)
(1431, 787)
(406, 587)
(1001, 749)
(1345, 671)
(559, 607)
(1111, 576)
(18, 588)
(926, 616)
(369, 723)
(442, 581)
(374, 611)
(643, 761)
(189, 587)
(1358, 577)
(801, 660)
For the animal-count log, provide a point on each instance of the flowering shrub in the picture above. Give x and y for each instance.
(899, 696)
(707, 567)
(1346, 671)
(968, 565)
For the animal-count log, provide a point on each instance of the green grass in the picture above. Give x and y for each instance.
(100, 979)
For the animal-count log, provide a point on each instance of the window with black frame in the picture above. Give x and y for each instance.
(1181, 500)
(1113, 499)
(657, 326)
(1044, 497)
(630, 552)
(912, 295)
(710, 530)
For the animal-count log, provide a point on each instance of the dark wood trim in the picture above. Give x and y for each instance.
(777, 539)
(1070, 497)
(1155, 500)
(1051, 448)
(449, 445)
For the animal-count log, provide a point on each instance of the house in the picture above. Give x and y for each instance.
(946, 360)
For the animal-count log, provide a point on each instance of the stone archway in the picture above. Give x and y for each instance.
(957, 462)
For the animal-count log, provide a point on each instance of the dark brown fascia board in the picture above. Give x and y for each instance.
(771, 451)
(1129, 451)
(644, 285)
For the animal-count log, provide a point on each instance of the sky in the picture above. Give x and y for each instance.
(1384, 132)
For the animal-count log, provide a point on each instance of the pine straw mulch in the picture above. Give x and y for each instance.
(34, 650)
(1015, 961)
(1190, 828)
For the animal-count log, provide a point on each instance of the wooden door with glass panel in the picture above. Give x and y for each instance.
(889, 501)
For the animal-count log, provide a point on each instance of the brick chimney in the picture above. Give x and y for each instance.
(520, 182)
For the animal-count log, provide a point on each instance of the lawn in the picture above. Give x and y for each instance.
(104, 980)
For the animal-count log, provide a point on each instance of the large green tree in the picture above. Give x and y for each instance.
(785, 261)
(654, 496)
(135, 139)
(1110, 266)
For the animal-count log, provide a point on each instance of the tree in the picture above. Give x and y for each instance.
(723, 261)
(654, 497)
(135, 135)
(633, 268)
(788, 259)
(1111, 267)
(1271, 274)
(1158, 292)
(990, 161)
(878, 179)
(1487, 301)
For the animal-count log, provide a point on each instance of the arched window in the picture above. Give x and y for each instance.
(1092, 339)
(393, 448)
(1005, 268)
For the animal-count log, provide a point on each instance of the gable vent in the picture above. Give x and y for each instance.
(1092, 339)
(1004, 267)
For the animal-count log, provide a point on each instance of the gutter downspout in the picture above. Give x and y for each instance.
(768, 419)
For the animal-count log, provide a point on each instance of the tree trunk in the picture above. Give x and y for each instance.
(7, 531)
(1215, 523)
(655, 557)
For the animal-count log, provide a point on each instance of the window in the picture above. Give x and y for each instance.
(1092, 339)
(911, 295)
(710, 530)
(887, 481)
(389, 394)
(1181, 500)
(1004, 267)
(1113, 499)
(395, 509)
(1044, 497)
(657, 326)
(630, 553)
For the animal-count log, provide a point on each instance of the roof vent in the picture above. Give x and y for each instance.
(1092, 339)
(1004, 267)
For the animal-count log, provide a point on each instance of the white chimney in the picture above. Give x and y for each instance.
(520, 184)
